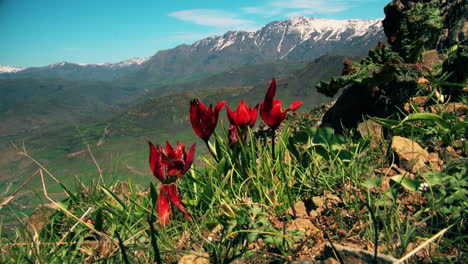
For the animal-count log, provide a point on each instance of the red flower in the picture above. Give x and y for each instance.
(168, 165)
(168, 193)
(204, 119)
(270, 110)
(243, 116)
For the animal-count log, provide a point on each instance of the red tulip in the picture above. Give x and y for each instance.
(243, 116)
(172, 163)
(204, 119)
(168, 193)
(270, 110)
(168, 165)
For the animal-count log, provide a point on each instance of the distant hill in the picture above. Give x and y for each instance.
(26, 104)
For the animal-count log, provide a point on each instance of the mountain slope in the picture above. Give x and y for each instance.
(30, 103)
(293, 39)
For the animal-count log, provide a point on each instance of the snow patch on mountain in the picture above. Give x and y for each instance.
(126, 63)
(9, 69)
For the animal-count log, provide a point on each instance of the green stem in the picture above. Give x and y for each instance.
(273, 144)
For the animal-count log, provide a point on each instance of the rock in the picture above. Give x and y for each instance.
(450, 155)
(300, 209)
(419, 100)
(195, 259)
(454, 107)
(431, 59)
(410, 155)
(331, 261)
(356, 255)
(303, 225)
(435, 160)
(371, 128)
(40, 217)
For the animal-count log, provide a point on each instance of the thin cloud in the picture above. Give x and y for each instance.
(266, 11)
(312, 6)
(211, 17)
(294, 8)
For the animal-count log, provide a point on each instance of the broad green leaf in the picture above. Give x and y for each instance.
(406, 182)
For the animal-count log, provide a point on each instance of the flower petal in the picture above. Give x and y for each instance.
(189, 158)
(294, 106)
(270, 94)
(243, 114)
(218, 108)
(253, 116)
(155, 163)
(195, 118)
(177, 201)
(231, 115)
(164, 208)
(169, 150)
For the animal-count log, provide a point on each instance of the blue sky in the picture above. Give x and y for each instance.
(42, 32)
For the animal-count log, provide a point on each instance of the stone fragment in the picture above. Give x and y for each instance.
(195, 259)
(371, 128)
(431, 59)
(419, 100)
(356, 255)
(410, 155)
(300, 209)
(454, 107)
(435, 161)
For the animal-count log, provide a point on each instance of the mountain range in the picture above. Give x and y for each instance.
(74, 71)
(296, 39)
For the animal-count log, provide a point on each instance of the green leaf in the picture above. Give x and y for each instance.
(154, 195)
(114, 197)
(407, 183)
(98, 221)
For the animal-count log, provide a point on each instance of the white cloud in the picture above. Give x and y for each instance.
(211, 17)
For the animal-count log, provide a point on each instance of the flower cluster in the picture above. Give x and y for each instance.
(205, 119)
(171, 163)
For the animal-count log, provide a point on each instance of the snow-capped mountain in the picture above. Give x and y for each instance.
(286, 35)
(299, 38)
(66, 70)
(8, 69)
